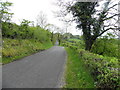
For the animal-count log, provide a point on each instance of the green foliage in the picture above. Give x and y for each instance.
(5, 15)
(14, 49)
(90, 20)
(106, 46)
(104, 69)
(24, 31)
(24, 28)
(67, 36)
(54, 38)
(74, 43)
(9, 30)
(22, 40)
(41, 35)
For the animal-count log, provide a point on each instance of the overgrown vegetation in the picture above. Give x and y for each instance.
(14, 49)
(103, 69)
(22, 40)
(106, 46)
(19, 42)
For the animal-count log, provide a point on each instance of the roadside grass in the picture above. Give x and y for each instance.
(76, 75)
(14, 49)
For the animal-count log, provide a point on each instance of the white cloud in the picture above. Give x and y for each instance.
(29, 9)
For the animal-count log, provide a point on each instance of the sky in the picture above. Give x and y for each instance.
(29, 9)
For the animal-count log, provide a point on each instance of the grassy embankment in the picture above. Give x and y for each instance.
(14, 49)
(77, 76)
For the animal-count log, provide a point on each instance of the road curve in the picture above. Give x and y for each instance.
(41, 70)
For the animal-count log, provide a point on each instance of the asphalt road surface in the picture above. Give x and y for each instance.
(41, 70)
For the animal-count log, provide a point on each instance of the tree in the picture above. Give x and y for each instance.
(41, 20)
(59, 34)
(24, 29)
(5, 16)
(90, 20)
(55, 29)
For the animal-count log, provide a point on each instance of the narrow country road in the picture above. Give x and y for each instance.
(41, 70)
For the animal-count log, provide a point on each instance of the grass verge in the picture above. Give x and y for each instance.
(14, 49)
(76, 75)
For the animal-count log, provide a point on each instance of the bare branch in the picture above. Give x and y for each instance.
(105, 31)
(111, 17)
(41, 20)
(112, 6)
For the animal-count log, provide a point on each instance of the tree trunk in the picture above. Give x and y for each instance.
(89, 42)
(88, 45)
(52, 37)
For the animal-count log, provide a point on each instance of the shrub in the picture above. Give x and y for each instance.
(106, 47)
(103, 69)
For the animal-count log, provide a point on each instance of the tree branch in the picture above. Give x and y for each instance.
(111, 17)
(105, 31)
(112, 6)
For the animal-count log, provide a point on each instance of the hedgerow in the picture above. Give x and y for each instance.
(104, 69)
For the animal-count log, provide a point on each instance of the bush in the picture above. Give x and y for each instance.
(103, 69)
(106, 47)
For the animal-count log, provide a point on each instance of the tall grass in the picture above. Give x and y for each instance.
(15, 49)
(77, 76)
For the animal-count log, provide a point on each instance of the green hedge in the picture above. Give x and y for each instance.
(104, 69)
